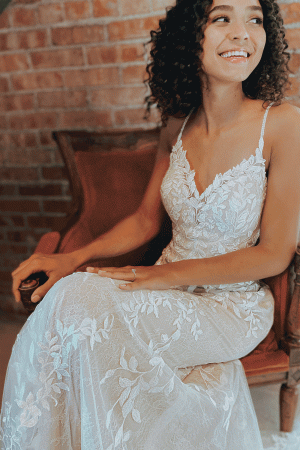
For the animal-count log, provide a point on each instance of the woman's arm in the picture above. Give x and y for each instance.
(127, 235)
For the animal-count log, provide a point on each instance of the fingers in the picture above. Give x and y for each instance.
(41, 291)
(20, 275)
(117, 273)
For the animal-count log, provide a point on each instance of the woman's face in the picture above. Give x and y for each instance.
(234, 40)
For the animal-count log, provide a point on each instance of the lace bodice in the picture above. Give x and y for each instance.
(224, 218)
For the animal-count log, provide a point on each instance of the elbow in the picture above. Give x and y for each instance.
(281, 260)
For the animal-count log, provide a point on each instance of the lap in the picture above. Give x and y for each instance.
(192, 329)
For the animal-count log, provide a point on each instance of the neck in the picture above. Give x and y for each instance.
(221, 106)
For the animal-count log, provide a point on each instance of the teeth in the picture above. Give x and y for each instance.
(236, 53)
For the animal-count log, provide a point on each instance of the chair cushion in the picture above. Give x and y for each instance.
(265, 363)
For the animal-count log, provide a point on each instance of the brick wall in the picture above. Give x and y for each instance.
(75, 65)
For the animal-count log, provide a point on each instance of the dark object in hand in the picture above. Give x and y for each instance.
(28, 286)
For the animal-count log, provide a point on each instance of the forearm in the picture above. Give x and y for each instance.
(247, 264)
(127, 235)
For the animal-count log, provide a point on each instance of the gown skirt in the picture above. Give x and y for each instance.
(98, 368)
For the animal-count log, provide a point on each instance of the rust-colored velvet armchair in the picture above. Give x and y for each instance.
(108, 174)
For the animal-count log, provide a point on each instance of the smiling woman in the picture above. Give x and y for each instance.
(103, 361)
(176, 54)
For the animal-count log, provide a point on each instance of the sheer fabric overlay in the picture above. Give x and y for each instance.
(95, 367)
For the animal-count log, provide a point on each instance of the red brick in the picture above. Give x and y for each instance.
(44, 190)
(4, 221)
(17, 249)
(30, 81)
(3, 42)
(19, 205)
(92, 77)
(56, 206)
(4, 22)
(28, 157)
(102, 55)
(57, 157)
(18, 174)
(5, 275)
(46, 138)
(2, 156)
(290, 12)
(78, 35)
(35, 120)
(16, 102)
(62, 99)
(17, 61)
(131, 117)
(53, 223)
(133, 28)
(4, 140)
(26, 2)
(3, 123)
(54, 173)
(77, 10)
(295, 63)
(82, 119)
(113, 54)
(104, 8)
(16, 236)
(28, 39)
(7, 189)
(18, 221)
(23, 140)
(130, 8)
(23, 17)
(3, 85)
(293, 38)
(51, 13)
(161, 5)
(134, 74)
(57, 58)
(118, 96)
(132, 52)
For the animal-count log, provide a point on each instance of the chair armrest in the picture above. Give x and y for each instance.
(293, 320)
(48, 243)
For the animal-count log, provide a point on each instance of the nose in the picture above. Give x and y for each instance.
(238, 31)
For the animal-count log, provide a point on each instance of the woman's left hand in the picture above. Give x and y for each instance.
(137, 277)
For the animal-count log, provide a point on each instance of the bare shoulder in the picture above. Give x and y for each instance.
(285, 122)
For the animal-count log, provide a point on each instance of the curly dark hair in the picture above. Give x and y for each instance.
(174, 69)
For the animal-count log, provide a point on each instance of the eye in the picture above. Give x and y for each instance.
(221, 19)
(258, 20)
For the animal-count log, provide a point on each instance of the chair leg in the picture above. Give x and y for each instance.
(288, 405)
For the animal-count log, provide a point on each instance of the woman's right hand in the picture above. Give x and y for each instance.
(55, 266)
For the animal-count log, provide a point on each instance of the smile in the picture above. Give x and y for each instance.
(236, 56)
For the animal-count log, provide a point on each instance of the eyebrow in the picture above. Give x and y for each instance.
(230, 8)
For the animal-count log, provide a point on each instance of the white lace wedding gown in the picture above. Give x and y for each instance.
(98, 368)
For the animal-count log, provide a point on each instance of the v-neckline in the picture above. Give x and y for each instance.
(219, 176)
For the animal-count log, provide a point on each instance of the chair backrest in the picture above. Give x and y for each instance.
(109, 173)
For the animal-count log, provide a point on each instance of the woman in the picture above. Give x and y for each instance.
(100, 364)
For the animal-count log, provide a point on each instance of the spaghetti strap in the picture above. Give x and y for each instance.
(261, 140)
(184, 124)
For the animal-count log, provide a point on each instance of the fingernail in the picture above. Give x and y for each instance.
(90, 269)
(101, 271)
(35, 298)
(122, 285)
